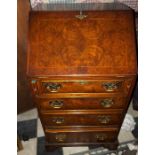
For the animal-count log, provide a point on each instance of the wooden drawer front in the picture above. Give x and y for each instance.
(100, 119)
(84, 86)
(81, 137)
(81, 103)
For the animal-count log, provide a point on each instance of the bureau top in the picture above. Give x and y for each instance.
(87, 43)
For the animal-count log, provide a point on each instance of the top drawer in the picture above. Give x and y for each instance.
(83, 86)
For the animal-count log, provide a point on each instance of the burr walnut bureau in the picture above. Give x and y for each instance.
(82, 68)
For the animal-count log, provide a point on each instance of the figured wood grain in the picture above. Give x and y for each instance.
(82, 137)
(41, 86)
(102, 44)
(82, 119)
(80, 103)
(70, 60)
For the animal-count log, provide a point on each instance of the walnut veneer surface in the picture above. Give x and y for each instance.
(82, 69)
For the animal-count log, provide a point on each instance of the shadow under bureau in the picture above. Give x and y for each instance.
(82, 69)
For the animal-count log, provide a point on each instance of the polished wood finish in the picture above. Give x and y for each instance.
(82, 86)
(43, 86)
(82, 118)
(82, 71)
(88, 134)
(81, 103)
(93, 42)
(81, 136)
(24, 101)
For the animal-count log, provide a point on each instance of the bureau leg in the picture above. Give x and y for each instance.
(112, 146)
(50, 148)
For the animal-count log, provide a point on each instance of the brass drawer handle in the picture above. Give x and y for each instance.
(101, 137)
(106, 103)
(56, 104)
(104, 119)
(58, 120)
(60, 137)
(53, 87)
(111, 86)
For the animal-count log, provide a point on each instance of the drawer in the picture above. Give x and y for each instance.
(106, 102)
(83, 86)
(83, 136)
(82, 118)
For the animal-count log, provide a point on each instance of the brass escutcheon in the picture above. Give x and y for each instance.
(82, 82)
(81, 16)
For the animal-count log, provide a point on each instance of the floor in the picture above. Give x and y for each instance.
(35, 144)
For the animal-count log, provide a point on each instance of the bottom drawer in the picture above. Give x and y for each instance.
(76, 136)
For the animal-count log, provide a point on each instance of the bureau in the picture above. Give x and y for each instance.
(82, 68)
